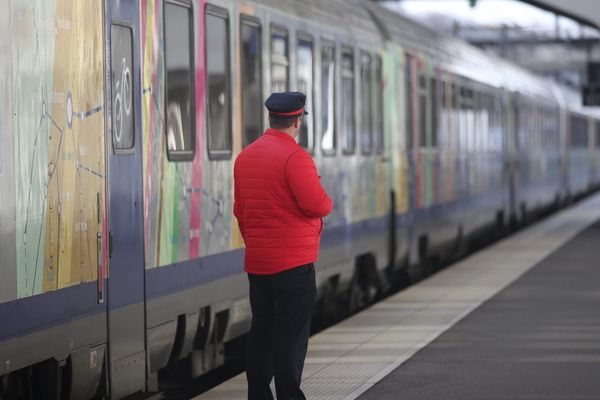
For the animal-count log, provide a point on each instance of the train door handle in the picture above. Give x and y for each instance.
(110, 244)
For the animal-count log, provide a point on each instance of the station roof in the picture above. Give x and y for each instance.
(586, 11)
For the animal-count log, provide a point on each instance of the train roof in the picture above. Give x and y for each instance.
(368, 21)
(344, 16)
(458, 56)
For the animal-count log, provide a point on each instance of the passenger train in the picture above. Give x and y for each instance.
(120, 121)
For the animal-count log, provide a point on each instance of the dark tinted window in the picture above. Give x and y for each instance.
(579, 131)
(366, 103)
(456, 120)
(304, 59)
(409, 103)
(423, 111)
(328, 142)
(348, 104)
(218, 83)
(378, 106)
(179, 62)
(598, 134)
(122, 90)
(433, 95)
(279, 60)
(251, 80)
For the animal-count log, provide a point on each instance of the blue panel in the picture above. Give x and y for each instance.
(126, 266)
(44, 311)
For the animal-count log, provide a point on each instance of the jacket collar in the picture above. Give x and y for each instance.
(279, 134)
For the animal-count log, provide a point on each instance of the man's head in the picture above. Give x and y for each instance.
(291, 126)
(285, 111)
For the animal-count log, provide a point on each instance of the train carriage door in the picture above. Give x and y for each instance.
(125, 290)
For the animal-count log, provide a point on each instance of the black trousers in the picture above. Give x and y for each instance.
(281, 311)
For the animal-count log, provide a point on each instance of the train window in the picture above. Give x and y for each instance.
(179, 63)
(348, 111)
(328, 142)
(456, 120)
(598, 134)
(469, 119)
(409, 103)
(378, 106)
(365, 107)
(423, 111)
(443, 118)
(252, 111)
(434, 111)
(477, 121)
(279, 59)
(305, 85)
(579, 131)
(122, 90)
(218, 83)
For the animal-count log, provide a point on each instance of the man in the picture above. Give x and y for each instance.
(279, 203)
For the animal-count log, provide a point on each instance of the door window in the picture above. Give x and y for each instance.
(122, 88)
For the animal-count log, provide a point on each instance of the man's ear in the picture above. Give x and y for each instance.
(297, 123)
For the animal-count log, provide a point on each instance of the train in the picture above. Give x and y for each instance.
(120, 121)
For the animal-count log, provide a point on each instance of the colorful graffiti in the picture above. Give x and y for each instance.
(188, 205)
(56, 59)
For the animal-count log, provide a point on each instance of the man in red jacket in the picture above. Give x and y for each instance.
(279, 203)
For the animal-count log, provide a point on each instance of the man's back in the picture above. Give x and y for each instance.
(279, 203)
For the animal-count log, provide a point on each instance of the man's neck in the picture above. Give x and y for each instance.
(289, 132)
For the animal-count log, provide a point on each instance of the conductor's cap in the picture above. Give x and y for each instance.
(286, 104)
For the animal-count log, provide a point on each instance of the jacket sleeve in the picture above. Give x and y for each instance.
(304, 182)
(237, 204)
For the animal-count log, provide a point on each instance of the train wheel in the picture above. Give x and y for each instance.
(48, 380)
(328, 305)
(364, 285)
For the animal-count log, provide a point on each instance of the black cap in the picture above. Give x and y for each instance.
(286, 104)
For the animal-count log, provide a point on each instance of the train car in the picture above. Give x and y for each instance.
(119, 125)
(534, 154)
(580, 124)
(454, 135)
(596, 152)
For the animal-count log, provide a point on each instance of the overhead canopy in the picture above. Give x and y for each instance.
(583, 10)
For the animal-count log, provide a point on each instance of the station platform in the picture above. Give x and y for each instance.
(517, 320)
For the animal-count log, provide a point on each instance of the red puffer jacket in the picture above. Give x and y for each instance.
(279, 203)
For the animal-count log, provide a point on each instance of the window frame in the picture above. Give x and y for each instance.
(255, 22)
(307, 37)
(282, 31)
(409, 104)
(182, 155)
(434, 113)
(584, 120)
(322, 45)
(422, 95)
(124, 150)
(216, 155)
(345, 52)
(378, 79)
(366, 56)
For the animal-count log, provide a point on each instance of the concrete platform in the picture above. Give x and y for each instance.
(538, 339)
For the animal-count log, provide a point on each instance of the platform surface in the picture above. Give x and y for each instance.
(347, 360)
(537, 339)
